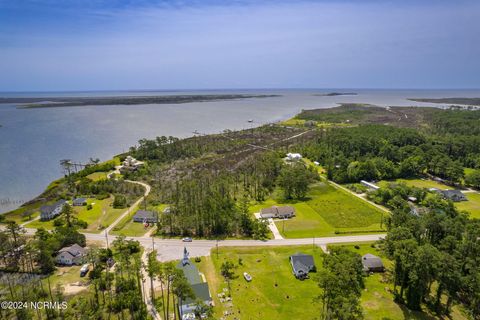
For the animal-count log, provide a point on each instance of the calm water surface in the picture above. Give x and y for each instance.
(32, 141)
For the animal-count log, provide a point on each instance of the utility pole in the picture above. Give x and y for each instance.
(106, 237)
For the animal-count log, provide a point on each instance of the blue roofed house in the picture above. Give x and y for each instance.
(199, 286)
(49, 212)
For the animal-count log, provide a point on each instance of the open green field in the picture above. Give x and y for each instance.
(326, 211)
(16, 215)
(419, 183)
(274, 293)
(472, 206)
(100, 216)
(97, 176)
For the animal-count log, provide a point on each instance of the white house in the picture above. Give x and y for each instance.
(68, 256)
(293, 156)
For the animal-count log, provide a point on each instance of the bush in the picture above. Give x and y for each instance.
(89, 206)
(357, 247)
(198, 259)
(102, 196)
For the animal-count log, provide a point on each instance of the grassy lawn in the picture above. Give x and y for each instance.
(97, 176)
(419, 183)
(472, 205)
(100, 216)
(129, 228)
(274, 293)
(16, 215)
(327, 210)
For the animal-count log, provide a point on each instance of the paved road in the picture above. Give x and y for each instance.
(171, 249)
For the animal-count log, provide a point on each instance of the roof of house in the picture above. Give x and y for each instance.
(285, 210)
(371, 261)
(49, 208)
(278, 210)
(79, 200)
(452, 194)
(201, 291)
(144, 214)
(74, 250)
(302, 262)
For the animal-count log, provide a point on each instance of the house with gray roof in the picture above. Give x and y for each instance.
(49, 212)
(200, 288)
(277, 212)
(72, 255)
(79, 202)
(145, 216)
(372, 263)
(454, 195)
(302, 264)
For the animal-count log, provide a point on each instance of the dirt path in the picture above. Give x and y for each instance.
(132, 207)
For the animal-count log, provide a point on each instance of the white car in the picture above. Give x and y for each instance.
(187, 239)
(247, 277)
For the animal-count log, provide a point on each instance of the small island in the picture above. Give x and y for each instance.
(334, 94)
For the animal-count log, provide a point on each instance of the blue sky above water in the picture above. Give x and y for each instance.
(108, 45)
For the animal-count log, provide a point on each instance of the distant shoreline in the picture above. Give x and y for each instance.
(58, 102)
(462, 101)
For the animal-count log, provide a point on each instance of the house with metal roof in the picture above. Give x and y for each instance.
(372, 263)
(49, 212)
(302, 264)
(454, 195)
(200, 288)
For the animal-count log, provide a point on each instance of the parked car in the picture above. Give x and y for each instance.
(187, 239)
(247, 277)
(84, 270)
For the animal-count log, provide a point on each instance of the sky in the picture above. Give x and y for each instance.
(67, 45)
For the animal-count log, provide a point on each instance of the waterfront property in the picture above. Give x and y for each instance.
(130, 164)
(372, 263)
(49, 212)
(145, 216)
(277, 212)
(200, 288)
(72, 255)
(302, 264)
(293, 157)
